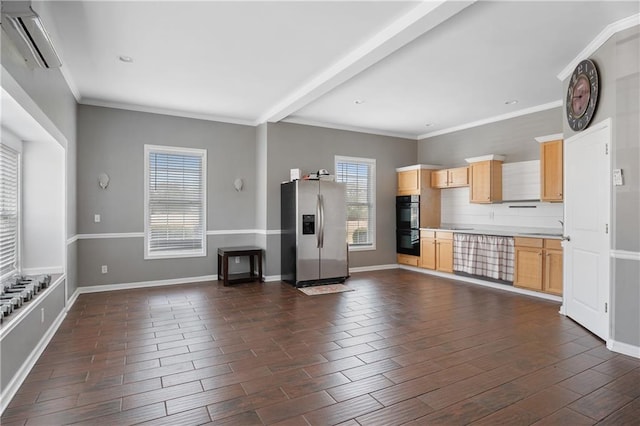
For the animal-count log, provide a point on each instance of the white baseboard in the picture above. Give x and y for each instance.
(372, 268)
(72, 299)
(272, 278)
(484, 283)
(10, 390)
(623, 348)
(142, 284)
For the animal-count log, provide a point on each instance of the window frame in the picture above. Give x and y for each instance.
(15, 145)
(371, 163)
(163, 149)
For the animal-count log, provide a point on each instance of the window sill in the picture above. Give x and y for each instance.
(371, 247)
(173, 256)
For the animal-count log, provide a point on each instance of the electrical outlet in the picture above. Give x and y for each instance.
(96, 218)
(42, 316)
(237, 259)
(105, 269)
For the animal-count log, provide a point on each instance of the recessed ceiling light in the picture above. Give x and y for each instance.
(358, 101)
(127, 59)
(511, 102)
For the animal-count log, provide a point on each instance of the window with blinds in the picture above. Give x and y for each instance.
(9, 210)
(359, 174)
(175, 202)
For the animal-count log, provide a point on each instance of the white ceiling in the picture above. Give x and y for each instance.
(448, 63)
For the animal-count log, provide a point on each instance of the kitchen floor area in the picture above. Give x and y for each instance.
(403, 348)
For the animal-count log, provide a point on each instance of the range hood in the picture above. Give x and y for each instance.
(24, 27)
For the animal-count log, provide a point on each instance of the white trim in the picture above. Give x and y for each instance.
(27, 308)
(549, 138)
(504, 287)
(373, 183)
(495, 119)
(623, 348)
(490, 157)
(72, 299)
(43, 270)
(200, 153)
(597, 42)
(142, 284)
(107, 235)
(626, 255)
(9, 391)
(372, 268)
(272, 278)
(168, 111)
(348, 128)
(9, 138)
(232, 232)
(418, 167)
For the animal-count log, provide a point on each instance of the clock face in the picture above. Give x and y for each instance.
(582, 95)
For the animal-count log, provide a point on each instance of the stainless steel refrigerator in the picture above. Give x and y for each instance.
(314, 232)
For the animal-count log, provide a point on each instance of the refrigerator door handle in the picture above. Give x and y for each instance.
(320, 221)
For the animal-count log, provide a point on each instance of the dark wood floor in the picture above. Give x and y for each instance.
(403, 348)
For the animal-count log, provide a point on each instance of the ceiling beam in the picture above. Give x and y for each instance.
(422, 18)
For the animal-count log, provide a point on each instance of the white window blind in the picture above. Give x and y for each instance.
(9, 210)
(175, 202)
(359, 174)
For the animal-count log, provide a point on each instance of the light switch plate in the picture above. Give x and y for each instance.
(618, 179)
(96, 218)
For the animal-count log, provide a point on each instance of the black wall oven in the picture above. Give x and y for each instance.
(408, 224)
(408, 241)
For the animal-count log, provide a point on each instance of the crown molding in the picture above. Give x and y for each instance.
(302, 121)
(597, 42)
(494, 119)
(167, 111)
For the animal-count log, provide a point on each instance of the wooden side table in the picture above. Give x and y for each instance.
(223, 264)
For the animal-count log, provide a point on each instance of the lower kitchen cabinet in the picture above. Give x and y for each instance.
(405, 259)
(538, 264)
(436, 250)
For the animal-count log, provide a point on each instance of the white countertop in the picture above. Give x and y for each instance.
(501, 231)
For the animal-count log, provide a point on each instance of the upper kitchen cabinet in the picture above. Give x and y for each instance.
(485, 179)
(409, 182)
(551, 173)
(450, 178)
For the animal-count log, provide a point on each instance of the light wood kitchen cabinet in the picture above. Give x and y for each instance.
(538, 264)
(409, 182)
(450, 178)
(485, 181)
(551, 171)
(405, 259)
(427, 250)
(436, 250)
(444, 251)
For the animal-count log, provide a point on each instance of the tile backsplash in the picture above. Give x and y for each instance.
(456, 209)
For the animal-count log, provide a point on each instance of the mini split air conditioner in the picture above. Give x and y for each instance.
(24, 27)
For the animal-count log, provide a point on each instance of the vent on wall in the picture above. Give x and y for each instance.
(24, 27)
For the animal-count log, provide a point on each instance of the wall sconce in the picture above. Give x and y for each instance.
(238, 184)
(103, 180)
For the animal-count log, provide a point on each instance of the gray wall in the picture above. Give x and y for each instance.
(112, 141)
(312, 148)
(618, 62)
(514, 138)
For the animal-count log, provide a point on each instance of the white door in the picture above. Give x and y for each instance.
(587, 204)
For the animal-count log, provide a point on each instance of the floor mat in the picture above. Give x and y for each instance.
(325, 289)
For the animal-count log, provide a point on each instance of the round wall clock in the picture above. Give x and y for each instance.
(582, 95)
